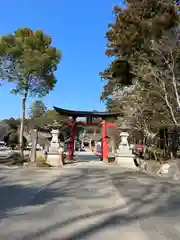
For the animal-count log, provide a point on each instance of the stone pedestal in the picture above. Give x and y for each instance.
(53, 152)
(124, 156)
(53, 148)
(53, 160)
(164, 169)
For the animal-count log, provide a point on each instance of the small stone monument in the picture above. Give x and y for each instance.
(54, 144)
(53, 151)
(124, 156)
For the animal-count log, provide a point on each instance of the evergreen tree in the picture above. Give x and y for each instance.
(37, 109)
(130, 38)
(28, 59)
(143, 43)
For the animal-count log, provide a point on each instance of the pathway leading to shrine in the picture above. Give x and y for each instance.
(88, 201)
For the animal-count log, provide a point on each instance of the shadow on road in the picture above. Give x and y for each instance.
(147, 198)
(86, 157)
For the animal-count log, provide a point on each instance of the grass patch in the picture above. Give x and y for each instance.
(41, 162)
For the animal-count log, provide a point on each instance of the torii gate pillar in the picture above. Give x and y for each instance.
(104, 142)
(105, 150)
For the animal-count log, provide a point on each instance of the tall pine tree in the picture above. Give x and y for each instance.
(129, 39)
(137, 43)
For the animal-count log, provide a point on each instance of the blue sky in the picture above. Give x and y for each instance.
(78, 29)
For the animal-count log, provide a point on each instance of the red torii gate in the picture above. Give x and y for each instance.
(89, 117)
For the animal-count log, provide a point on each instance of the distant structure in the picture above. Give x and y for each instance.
(90, 116)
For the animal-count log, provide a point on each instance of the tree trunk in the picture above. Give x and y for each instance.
(169, 105)
(34, 138)
(21, 134)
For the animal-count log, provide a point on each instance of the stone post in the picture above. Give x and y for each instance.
(113, 146)
(34, 137)
(90, 145)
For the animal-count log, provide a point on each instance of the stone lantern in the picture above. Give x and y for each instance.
(53, 151)
(124, 156)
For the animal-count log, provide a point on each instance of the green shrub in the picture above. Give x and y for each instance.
(41, 162)
(157, 153)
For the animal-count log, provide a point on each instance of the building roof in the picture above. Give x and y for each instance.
(73, 113)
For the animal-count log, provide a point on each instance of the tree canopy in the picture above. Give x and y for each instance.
(29, 60)
(48, 118)
(130, 38)
(142, 80)
(37, 109)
